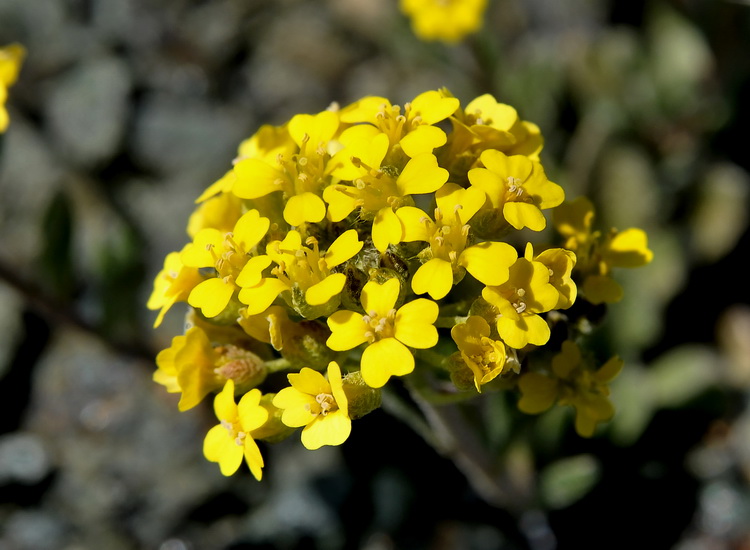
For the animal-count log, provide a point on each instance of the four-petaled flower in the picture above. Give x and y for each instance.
(227, 442)
(377, 190)
(571, 382)
(230, 254)
(448, 255)
(484, 356)
(598, 255)
(318, 404)
(517, 187)
(387, 330)
(303, 268)
(527, 293)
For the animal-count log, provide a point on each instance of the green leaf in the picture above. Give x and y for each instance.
(564, 482)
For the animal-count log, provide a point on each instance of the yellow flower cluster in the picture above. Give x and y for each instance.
(340, 243)
(11, 57)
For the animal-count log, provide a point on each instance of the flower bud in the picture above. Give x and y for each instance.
(274, 430)
(244, 367)
(362, 398)
(306, 346)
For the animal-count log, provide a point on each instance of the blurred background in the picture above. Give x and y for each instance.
(126, 110)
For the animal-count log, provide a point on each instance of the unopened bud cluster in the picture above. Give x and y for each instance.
(344, 247)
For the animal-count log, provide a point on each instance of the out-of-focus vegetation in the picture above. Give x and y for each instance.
(126, 110)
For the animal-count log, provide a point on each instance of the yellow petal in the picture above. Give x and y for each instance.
(253, 458)
(297, 407)
(539, 393)
(331, 429)
(600, 289)
(432, 107)
(337, 387)
(609, 370)
(256, 178)
(320, 293)
(383, 359)
(527, 329)
(347, 330)
(252, 414)
(380, 299)
(346, 246)
(423, 139)
(489, 262)
(341, 199)
(224, 405)
(421, 175)
(415, 224)
(198, 253)
(305, 207)
(523, 214)
(211, 296)
(252, 272)
(434, 277)
(414, 324)
(219, 447)
(258, 298)
(457, 203)
(311, 130)
(628, 248)
(250, 229)
(386, 229)
(489, 182)
(309, 381)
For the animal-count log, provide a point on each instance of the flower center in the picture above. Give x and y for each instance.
(238, 435)
(517, 300)
(326, 402)
(379, 327)
(515, 191)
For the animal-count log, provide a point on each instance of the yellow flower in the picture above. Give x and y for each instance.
(11, 57)
(387, 331)
(597, 255)
(484, 356)
(444, 20)
(230, 254)
(172, 284)
(571, 382)
(378, 190)
(219, 211)
(318, 404)
(527, 293)
(518, 187)
(227, 442)
(560, 263)
(300, 176)
(192, 366)
(447, 257)
(411, 131)
(304, 270)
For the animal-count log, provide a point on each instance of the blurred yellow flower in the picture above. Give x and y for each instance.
(598, 254)
(571, 382)
(11, 57)
(444, 20)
